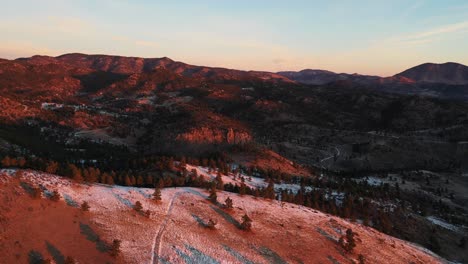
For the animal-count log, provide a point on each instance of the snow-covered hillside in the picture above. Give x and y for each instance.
(177, 232)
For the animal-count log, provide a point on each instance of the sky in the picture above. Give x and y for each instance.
(374, 37)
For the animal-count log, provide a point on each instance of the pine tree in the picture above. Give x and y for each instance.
(228, 203)
(219, 181)
(115, 248)
(127, 181)
(55, 196)
(52, 167)
(246, 223)
(109, 179)
(157, 194)
(139, 180)
(85, 206)
(361, 259)
(350, 242)
(160, 183)
(6, 161)
(211, 224)
(213, 196)
(270, 190)
(74, 172)
(36, 193)
(148, 213)
(242, 189)
(138, 207)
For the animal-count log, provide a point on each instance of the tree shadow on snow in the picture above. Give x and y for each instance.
(124, 201)
(199, 220)
(237, 255)
(35, 257)
(227, 217)
(192, 191)
(87, 231)
(69, 200)
(59, 258)
(27, 187)
(270, 255)
(196, 256)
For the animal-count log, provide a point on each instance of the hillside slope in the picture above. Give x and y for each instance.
(447, 73)
(176, 231)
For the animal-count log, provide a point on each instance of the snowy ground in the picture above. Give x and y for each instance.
(176, 231)
(250, 181)
(440, 222)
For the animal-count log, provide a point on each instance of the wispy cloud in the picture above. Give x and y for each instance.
(432, 34)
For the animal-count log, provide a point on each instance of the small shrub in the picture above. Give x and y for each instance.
(246, 223)
(157, 194)
(211, 224)
(70, 260)
(55, 196)
(138, 207)
(228, 203)
(148, 213)
(115, 248)
(85, 206)
(349, 244)
(36, 193)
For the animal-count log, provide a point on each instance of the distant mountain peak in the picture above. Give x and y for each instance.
(447, 73)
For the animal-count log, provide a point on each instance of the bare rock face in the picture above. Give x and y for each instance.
(217, 136)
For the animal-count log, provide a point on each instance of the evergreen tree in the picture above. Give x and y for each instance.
(242, 189)
(127, 181)
(138, 207)
(270, 190)
(115, 248)
(6, 161)
(228, 203)
(160, 184)
(109, 179)
(211, 224)
(139, 180)
(148, 213)
(361, 259)
(85, 206)
(350, 242)
(36, 193)
(52, 167)
(213, 196)
(55, 196)
(246, 223)
(219, 181)
(157, 194)
(74, 172)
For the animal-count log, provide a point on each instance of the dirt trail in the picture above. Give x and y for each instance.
(156, 247)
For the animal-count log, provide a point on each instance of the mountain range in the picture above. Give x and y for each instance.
(446, 73)
(127, 120)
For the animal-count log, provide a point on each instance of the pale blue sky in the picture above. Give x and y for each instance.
(368, 37)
